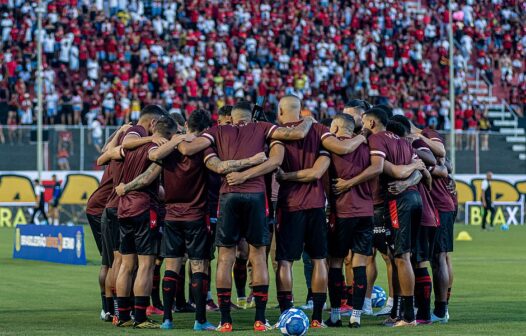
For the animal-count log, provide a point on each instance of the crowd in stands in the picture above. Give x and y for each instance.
(103, 60)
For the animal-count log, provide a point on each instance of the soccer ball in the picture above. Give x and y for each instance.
(293, 322)
(378, 297)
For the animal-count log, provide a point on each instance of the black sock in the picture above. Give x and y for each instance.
(156, 299)
(223, 298)
(408, 306)
(260, 297)
(395, 311)
(349, 293)
(141, 303)
(423, 286)
(285, 300)
(359, 287)
(336, 281)
(169, 289)
(440, 309)
(124, 308)
(240, 276)
(103, 299)
(319, 300)
(180, 299)
(448, 294)
(309, 295)
(199, 290)
(110, 306)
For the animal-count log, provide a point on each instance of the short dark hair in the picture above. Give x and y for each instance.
(378, 114)
(244, 105)
(225, 110)
(178, 117)
(358, 103)
(402, 120)
(153, 110)
(326, 122)
(387, 109)
(37, 181)
(165, 125)
(347, 120)
(199, 120)
(396, 128)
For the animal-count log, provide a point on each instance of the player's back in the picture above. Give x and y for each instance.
(241, 141)
(299, 155)
(185, 184)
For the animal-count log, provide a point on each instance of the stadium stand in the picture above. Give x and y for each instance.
(105, 59)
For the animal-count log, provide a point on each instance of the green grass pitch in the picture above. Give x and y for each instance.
(50, 299)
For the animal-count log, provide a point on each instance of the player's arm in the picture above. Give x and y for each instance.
(397, 187)
(166, 149)
(375, 168)
(342, 147)
(195, 146)
(426, 156)
(438, 171)
(141, 181)
(276, 155)
(297, 132)
(116, 153)
(436, 147)
(213, 163)
(111, 142)
(401, 172)
(306, 175)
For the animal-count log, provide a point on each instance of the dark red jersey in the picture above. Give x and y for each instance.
(97, 201)
(299, 155)
(358, 201)
(115, 167)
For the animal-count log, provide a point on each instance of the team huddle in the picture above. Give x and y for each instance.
(334, 193)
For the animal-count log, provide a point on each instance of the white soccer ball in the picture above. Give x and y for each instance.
(378, 297)
(293, 322)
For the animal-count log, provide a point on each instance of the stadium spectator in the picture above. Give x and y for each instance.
(40, 205)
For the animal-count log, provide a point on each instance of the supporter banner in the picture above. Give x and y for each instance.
(59, 244)
(505, 213)
(16, 190)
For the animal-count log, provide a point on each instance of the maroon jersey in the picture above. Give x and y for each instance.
(97, 201)
(358, 201)
(429, 212)
(185, 185)
(432, 135)
(137, 202)
(237, 142)
(115, 167)
(393, 149)
(299, 155)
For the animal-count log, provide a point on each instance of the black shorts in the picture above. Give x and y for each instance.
(242, 215)
(95, 225)
(297, 231)
(110, 233)
(444, 240)
(381, 233)
(355, 234)
(213, 228)
(405, 213)
(190, 237)
(137, 237)
(425, 243)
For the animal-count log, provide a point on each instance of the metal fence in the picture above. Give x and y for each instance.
(77, 148)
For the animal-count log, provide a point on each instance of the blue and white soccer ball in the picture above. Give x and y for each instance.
(378, 297)
(293, 322)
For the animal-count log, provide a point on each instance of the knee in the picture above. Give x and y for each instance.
(226, 257)
(199, 266)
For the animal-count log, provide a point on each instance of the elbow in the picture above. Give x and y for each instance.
(274, 164)
(153, 157)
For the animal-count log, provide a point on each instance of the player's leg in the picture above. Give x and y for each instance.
(95, 225)
(289, 247)
(123, 282)
(440, 269)
(172, 250)
(258, 238)
(484, 217)
(338, 248)
(156, 306)
(423, 284)
(316, 245)
(147, 244)
(347, 263)
(491, 215)
(449, 262)
(227, 237)
(405, 214)
(198, 249)
(388, 308)
(372, 273)
(240, 272)
(361, 243)
(307, 273)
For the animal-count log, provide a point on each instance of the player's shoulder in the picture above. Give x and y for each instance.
(432, 134)
(137, 130)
